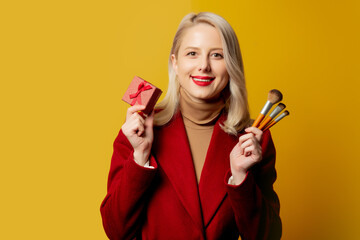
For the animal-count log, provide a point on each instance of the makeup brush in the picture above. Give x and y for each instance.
(272, 115)
(274, 97)
(281, 116)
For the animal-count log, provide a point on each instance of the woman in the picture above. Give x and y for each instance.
(200, 172)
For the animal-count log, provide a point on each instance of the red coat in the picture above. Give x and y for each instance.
(167, 203)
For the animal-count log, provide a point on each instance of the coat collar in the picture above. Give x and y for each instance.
(212, 189)
(179, 168)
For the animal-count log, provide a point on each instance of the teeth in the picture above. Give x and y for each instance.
(201, 80)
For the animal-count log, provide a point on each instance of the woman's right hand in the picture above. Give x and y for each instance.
(139, 132)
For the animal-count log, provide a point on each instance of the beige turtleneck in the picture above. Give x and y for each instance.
(199, 120)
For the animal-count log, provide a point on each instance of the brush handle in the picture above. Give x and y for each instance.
(276, 120)
(265, 122)
(258, 120)
(268, 105)
(269, 126)
(277, 110)
(263, 113)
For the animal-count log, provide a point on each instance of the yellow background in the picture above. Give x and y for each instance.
(65, 65)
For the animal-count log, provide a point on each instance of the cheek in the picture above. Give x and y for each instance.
(185, 67)
(223, 84)
(220, 69)
(224, 76)
(224, 71)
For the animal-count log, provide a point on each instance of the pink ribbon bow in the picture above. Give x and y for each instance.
(137, 96)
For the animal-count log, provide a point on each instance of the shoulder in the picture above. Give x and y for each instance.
(170, 128)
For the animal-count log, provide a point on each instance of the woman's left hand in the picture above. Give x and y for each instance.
(246, 153)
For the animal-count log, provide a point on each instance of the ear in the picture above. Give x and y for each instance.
(174, 62)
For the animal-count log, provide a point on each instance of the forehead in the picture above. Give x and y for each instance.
(201, 35)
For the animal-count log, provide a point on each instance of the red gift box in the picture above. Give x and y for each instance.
(141, 92)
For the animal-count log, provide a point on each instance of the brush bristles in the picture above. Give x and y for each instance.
(281, 105)
(286, 113)
(275, 96)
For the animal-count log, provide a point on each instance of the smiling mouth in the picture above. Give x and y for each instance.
(202, 80)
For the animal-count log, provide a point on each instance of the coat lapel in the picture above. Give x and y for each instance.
(176, 161)
(211, 187)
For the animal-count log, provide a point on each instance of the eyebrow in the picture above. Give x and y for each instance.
(212, 49)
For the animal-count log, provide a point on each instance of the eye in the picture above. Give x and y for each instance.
(191, 54)
(217, 55)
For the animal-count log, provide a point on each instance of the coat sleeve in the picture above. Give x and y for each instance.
(256, 205)
(127, 191)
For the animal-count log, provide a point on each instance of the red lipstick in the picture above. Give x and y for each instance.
(202, 80)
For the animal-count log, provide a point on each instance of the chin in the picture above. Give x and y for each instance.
(202, 95)
(206, 98)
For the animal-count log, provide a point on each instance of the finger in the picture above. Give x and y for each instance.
(142, 114)
(135, 120)
(149, 121)
(245, 137)
(256, 150)
(248, 143)
(136, 116)
(140, 130)
(133, 109)
(241, 149)
(135, 125)
(249, 150)
(257, 132)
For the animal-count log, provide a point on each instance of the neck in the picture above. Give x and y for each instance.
(201, 113)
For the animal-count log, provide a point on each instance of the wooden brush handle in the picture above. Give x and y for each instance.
(266, 121)
(258, 120)
(269, 126)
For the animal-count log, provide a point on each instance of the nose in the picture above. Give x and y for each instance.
(204, 64)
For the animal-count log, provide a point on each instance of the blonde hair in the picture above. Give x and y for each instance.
(236, 104)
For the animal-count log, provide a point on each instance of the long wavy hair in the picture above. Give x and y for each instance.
(236, 103)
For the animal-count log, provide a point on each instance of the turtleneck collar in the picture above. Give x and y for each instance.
(200, 113)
